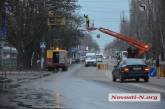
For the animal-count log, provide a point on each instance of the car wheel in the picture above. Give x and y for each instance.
(121, 79)
(137, 79)
(146, 79)
(114, 79)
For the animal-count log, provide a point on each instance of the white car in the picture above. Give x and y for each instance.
(99, 58)
(90, 59)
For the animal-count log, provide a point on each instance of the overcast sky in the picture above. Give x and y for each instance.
(105, 13)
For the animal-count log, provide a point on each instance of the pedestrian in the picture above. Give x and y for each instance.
(87, 20)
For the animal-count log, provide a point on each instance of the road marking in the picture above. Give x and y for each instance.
(152, 88)
(58, 101)
(108, 75)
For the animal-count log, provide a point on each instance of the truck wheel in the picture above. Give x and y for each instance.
(137, 79)
(146, 79)
(50, 69)
(121, 79)
(65, 69)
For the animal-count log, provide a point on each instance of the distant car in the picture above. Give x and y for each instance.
(77, 60)
(131, 68)
(73, 61)
(90, 59)
(99, 58)
(104, 57)
(82, 58)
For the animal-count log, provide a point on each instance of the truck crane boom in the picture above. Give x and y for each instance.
(140, 45)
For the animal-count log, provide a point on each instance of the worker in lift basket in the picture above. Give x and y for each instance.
(87, 20)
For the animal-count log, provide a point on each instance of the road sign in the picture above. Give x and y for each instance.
(42, 44)
(142, 7)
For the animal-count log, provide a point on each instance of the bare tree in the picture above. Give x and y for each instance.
(147, 24)
(27, 26)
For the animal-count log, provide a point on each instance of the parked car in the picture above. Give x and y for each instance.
(131, 68)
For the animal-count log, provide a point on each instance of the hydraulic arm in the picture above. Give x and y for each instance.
(140, 45)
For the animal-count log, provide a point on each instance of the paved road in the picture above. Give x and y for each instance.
(82, 88)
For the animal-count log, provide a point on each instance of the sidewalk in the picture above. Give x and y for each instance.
(15, 77)
(13, 80)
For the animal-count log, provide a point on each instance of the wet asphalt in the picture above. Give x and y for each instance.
(80, 88)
